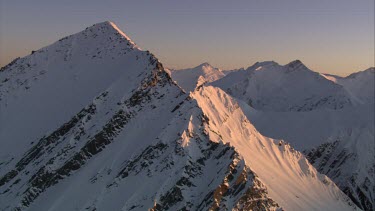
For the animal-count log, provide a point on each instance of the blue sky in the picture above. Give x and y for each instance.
(332, 36)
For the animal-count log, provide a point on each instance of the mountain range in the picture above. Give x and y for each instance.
(93, 122)
(328, 118)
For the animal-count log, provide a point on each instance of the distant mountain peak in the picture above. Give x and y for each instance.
(368, 71)
(260, 65)
(371, 69)
(207, 68)
(104, 23)
(204, 64)
(190, 78)
(266, 63)
(296, 64)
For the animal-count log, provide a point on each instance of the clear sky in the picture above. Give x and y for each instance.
(330, 36)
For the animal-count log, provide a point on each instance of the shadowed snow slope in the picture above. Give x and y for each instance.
(43, 90)
(359, 85)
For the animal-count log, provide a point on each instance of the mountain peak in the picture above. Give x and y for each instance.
(364, 73)
(266, 63)
(110, 27)
(296, 64)
(105, 23)
(370, 70)
(204, 64)
(260, 65)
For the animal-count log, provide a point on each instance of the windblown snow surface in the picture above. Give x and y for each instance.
(92, 122)
(333, 125)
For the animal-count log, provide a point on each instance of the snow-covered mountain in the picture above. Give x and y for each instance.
(54, 83)
(226, 72)
(338, 142)
(190, 78)
(348, 158)
(359, 85)
(92, 122)
(290, 179)
(269, 86)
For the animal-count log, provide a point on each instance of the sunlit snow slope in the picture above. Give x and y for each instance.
(289, 177)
